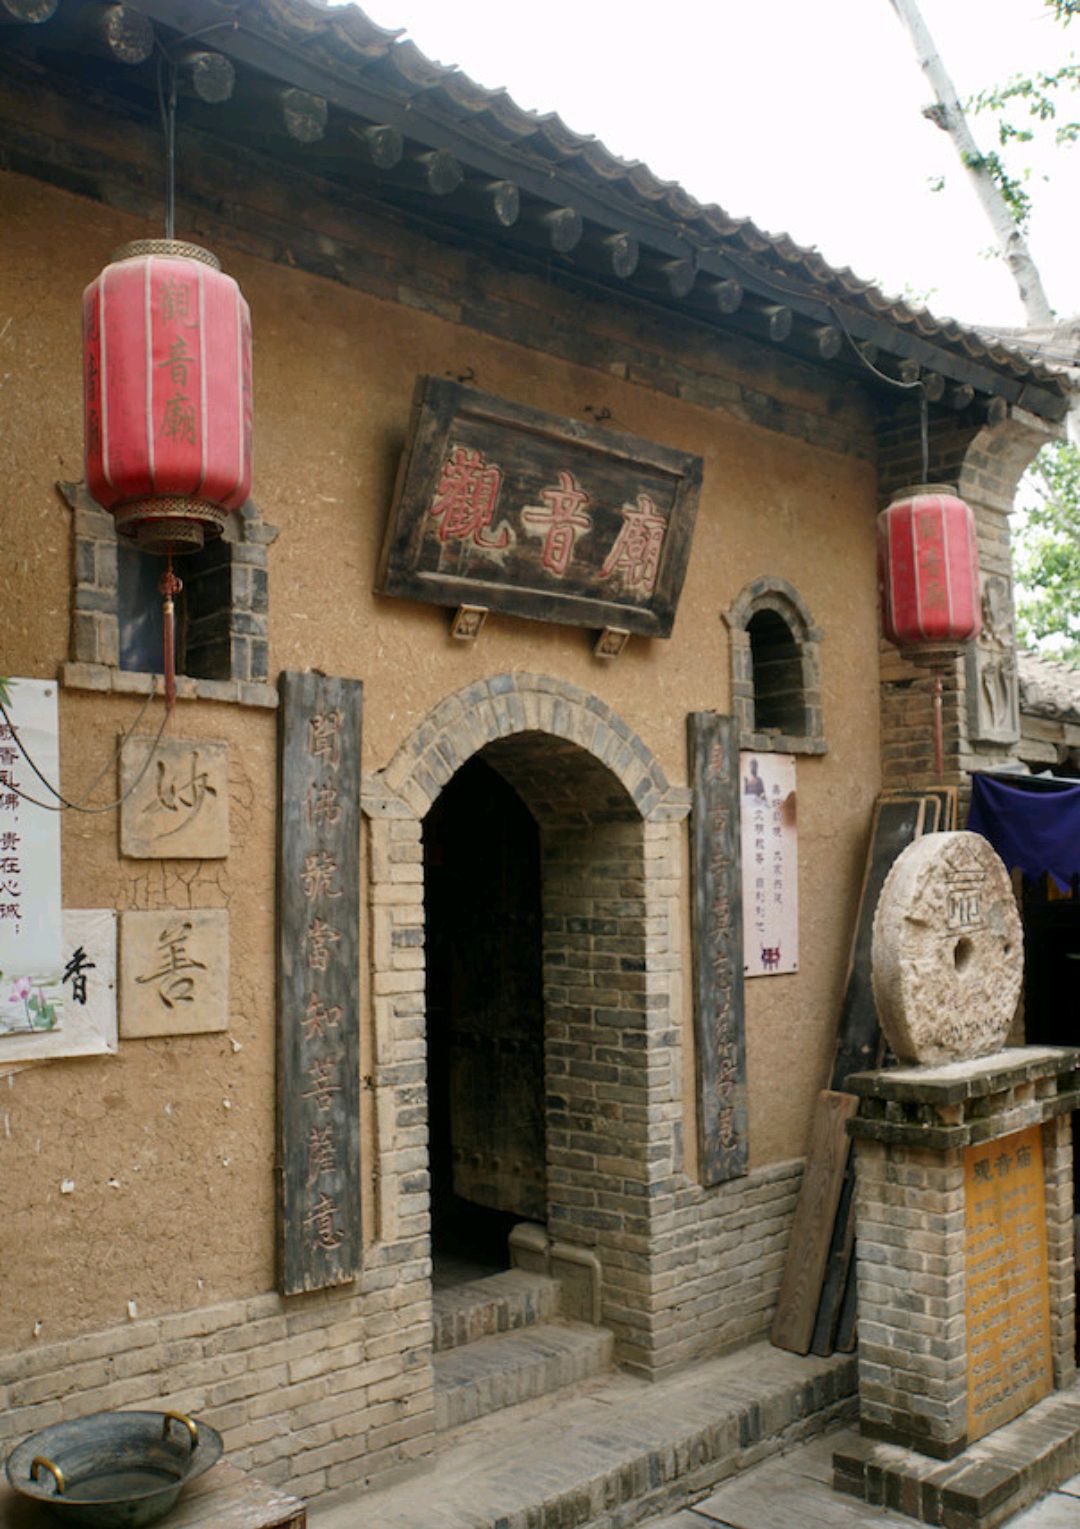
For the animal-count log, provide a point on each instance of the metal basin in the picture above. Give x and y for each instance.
(116, 1470)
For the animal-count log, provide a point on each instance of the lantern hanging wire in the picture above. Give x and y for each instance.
(62, 804)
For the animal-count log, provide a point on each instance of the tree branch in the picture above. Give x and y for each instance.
(949, 116)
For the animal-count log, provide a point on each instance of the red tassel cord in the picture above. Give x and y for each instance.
(169, 587)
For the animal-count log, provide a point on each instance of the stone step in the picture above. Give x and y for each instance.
(986, 1484)
(498, 1304)
(501, 1371)
(612, 1453)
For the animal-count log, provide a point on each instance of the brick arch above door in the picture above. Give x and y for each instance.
(500, 707)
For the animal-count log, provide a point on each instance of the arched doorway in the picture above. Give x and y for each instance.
(485, 1019)
(608, 825)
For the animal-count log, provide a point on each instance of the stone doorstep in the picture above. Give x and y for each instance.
(513, 1367)
(979, 1489)
(497, 1304)
(611, 1452)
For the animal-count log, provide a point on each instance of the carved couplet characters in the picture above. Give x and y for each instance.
(717, 946)
(318, 981)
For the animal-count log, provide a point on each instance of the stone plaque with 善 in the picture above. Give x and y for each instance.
(1007, 1300)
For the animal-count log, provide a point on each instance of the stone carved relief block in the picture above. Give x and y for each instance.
(992, 685)
(178, 808)
(174, 972)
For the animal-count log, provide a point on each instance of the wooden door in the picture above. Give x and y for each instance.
(485, 1002)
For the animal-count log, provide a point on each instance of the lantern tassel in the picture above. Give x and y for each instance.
(939, 739)
(169, 587)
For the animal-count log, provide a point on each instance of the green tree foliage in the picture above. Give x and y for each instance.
(1042, 98)
(1047, 555)
(1047, 536)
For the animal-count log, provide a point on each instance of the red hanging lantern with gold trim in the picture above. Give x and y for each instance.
(928, 567)
(168, 408)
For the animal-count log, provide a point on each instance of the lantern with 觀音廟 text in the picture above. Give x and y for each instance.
(167, 387)
(928, 568)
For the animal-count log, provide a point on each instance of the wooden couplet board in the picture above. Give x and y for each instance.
(716, 913)
(318, 982)
(1007, 1287)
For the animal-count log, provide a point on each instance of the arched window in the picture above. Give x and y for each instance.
(776, 680)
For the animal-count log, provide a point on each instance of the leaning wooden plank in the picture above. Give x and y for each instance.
(897, 821)
(793, 1325)
(836, 1269)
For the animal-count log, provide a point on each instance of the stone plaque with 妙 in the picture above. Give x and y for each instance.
(521, 511)
(176, 804)
(1007, 1292)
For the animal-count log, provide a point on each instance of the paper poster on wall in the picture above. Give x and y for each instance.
(87, 988)
(770, 864)
(30, 926)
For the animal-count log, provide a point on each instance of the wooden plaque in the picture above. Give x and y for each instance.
(517, 510)
(1007, 1287)
(318, 982)
(716, 914)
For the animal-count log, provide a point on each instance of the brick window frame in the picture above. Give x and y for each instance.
(228, 617)
(771, 601)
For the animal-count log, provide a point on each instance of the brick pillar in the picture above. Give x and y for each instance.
(983, 464)
(945, 1220)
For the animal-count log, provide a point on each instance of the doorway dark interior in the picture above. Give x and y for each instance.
(1052, 977)
(1052, 982)
(485, 1032)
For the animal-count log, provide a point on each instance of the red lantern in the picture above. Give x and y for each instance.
(167, 393)
(928, 567)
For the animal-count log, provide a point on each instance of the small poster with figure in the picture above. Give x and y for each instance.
(30, 926)
(87, 989)
(770, 864)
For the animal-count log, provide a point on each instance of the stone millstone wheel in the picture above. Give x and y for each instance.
(947, 958)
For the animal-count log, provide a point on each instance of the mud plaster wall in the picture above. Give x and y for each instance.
(190, 1218)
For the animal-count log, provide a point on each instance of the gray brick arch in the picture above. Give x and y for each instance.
(510, 704)
(611, 878)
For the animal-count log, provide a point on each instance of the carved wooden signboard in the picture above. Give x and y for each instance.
(717, 944)
(517, 510)
(318, 982)
(1007, 1287)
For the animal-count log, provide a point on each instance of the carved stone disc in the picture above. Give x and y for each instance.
(947, 956)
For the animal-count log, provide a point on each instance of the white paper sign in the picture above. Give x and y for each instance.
(87, 987)
(30, 927)
(770, 864)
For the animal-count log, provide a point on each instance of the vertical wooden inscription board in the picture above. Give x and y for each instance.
(716, 914)
(318, 982)
(1007, 1289)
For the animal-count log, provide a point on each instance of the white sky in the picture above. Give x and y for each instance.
(804, 115)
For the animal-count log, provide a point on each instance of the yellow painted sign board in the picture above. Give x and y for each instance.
(1007, 1292)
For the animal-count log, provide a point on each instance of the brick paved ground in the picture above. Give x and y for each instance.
(794, 1491)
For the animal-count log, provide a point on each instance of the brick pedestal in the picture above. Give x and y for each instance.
(953, 1272)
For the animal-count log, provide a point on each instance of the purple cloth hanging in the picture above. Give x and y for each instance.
(1035, 829)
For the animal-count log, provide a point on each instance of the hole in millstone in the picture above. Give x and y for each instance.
(963, 951)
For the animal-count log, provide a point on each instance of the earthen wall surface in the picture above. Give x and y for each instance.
(170, 1144)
